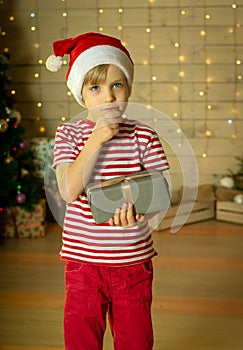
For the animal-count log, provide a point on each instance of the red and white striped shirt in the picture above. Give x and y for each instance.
(136, 147)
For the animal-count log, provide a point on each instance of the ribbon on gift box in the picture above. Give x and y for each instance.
(125, 183)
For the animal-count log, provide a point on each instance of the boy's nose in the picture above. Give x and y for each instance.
(109, 97)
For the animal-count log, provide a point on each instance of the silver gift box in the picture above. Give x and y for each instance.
(146, 190)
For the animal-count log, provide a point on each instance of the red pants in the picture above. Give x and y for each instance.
(125, 293)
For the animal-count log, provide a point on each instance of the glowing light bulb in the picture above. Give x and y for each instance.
(204, 155)
(152, 46)
(203, 32)
(181, 58)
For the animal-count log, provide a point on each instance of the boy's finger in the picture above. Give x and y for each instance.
(130, 214)
(123, 215)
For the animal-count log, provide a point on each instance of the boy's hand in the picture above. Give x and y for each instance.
(124, 217)
(105, 131)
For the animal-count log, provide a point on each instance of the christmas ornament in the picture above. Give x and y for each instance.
(227, 182)
(20, 198)
(23, 144)
(3, 126)
(8, 159)
(15, 114)
(238, 199)
(24, 172)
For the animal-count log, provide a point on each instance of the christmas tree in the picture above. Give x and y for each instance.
(18, 186)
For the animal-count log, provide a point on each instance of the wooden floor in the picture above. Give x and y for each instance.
(198, 290)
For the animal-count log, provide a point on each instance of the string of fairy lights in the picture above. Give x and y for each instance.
(231, 119)
(35, 27)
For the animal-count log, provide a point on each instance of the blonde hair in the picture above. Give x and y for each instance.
(96, 75)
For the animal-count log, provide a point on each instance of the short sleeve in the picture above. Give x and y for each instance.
(154, 156)
(66, 146)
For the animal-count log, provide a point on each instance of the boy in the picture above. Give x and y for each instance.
(108, 266)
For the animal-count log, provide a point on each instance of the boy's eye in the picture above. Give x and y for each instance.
(94, 88)
(117, 85)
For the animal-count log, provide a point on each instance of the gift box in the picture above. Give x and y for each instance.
(146, 190)
(40, 147)
(8, 230)
(21, 223)
(34, 229)
(24, 217)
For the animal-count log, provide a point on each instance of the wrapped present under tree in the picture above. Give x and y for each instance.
(18, 182)
(17, 222)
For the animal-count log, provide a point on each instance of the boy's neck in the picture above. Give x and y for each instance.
(91, 118)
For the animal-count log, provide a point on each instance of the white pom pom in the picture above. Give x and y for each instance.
(54, 63)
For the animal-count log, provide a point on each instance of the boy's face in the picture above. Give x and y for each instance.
(113, 90)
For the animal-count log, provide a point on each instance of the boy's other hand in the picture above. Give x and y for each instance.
(125, 217)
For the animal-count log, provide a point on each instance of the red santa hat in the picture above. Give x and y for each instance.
(86, 52)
